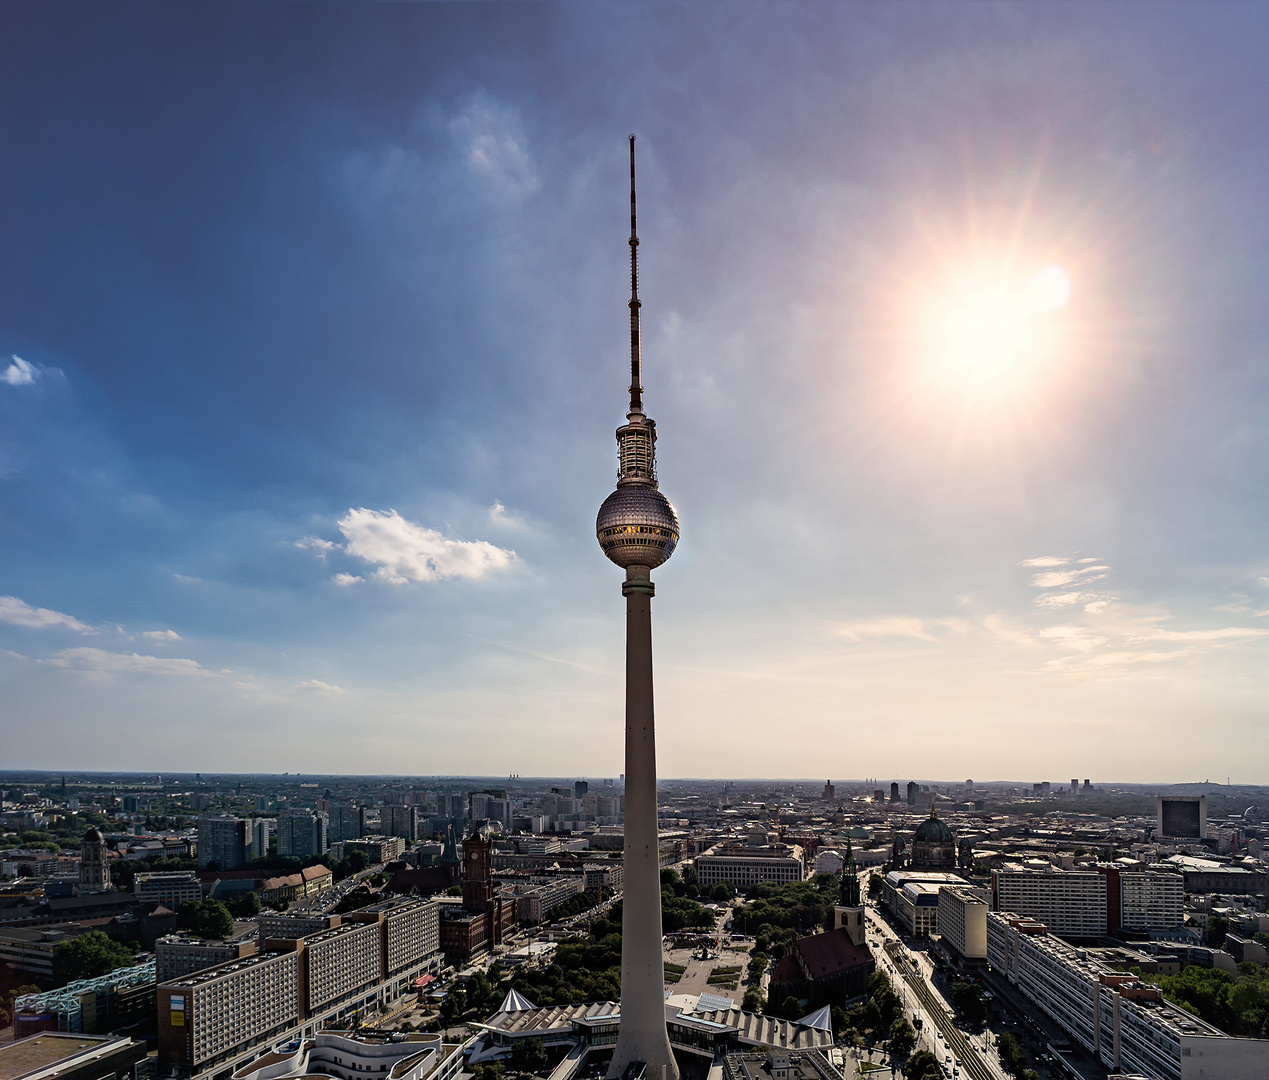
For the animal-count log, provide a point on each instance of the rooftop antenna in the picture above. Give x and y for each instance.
(636, 377)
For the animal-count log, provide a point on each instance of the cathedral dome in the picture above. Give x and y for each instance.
(933, 831)
(93, 836)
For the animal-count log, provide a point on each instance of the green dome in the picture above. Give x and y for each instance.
(933, 831)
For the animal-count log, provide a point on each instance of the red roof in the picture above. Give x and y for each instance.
(828, 954)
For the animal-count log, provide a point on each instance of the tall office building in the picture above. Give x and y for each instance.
(400, 821)
(223, 842)
(914, 789)
(1182, 816)
(894, 790)
(346, 821)
(638, 529)
(302, 833)
(1071, 903)
(262, 831)
(580, 788)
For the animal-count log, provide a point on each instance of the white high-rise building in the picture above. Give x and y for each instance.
(1071, 903)
(1123, 1022)
(1151, 900)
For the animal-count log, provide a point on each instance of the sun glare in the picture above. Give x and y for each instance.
(988, 334)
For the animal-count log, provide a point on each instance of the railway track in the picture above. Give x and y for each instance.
(971, 1061)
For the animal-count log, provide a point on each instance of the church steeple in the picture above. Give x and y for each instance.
(850, 878)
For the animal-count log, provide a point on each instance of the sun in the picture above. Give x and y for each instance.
(988, 333)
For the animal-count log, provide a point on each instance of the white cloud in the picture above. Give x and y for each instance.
(1229, 634)
(1046, 560)
(899, 626)
(101, 660)
(161, 635)
(1054, 579)
(406, 552)
(20, 613)
(494, 145)
(19, 373)
(1074, 637)
(317, 544)
(498, 516)
(344, 580)
(322, 687)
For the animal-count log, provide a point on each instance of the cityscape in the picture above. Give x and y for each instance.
(199, 926)
(953, 317)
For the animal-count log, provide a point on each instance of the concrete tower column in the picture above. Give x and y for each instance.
(638, 530)
(643, 1034)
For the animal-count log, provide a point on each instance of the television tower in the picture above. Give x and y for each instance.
(638, 529)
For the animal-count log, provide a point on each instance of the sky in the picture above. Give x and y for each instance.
(313, 342)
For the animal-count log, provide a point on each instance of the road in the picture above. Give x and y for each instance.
(902, 963)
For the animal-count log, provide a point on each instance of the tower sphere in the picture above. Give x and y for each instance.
(637, 526)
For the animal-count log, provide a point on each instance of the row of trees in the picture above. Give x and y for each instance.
(1014, 1058)
(778, 915)
(1237, 1004)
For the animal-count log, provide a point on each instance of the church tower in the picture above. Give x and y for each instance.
(94, 875)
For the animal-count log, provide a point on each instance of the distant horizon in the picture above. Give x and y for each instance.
(182, 774)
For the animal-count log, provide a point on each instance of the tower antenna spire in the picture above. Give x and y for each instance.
(636, 374)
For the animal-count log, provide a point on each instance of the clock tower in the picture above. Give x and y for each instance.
(477, 875)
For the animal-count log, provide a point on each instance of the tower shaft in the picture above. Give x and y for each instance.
(643, 1036)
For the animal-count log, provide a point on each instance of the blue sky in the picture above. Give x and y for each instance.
(314, 325)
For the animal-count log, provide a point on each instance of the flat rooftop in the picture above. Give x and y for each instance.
(40, 1051)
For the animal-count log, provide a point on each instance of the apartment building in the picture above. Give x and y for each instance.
(176, 955)
(411, 930)
(963, 922)
(1071, 903)
(223, 842)
(216, 1019)
(302, 833)
(1151, 901)
(341, 963)
(347, 821)
(1126, 1024)
(171, 888)
(213, 1016)
(403, 821)
(745, 867)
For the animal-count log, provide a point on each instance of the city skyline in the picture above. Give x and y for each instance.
(956, 334)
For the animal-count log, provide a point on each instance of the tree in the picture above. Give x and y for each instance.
(902, 1038)
(11, 996)
(790, 1008)
(487, 1072)
(88, 956)
(453, 1005)
(754, 1001)
(206, 918)
(245, 906)
(968, 1000)
(722, 892)
(757, 966)
(874, 886)
(1012, 1057)
(529, 1056)
(922, 1066)
(479, 990)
